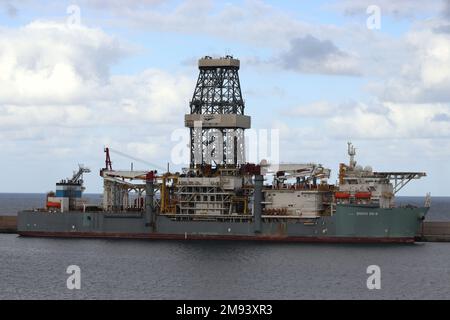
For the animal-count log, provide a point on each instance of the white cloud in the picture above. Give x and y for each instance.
(252, 21)
(311, 55)
(57, 95)
(320, 109)
(64, 73)
(384, 121)
(424, 75)
(119, 5)
(19, 116)
(396, 8)
(401, 121)
(58, 98)
(315, 109)
(49, 62)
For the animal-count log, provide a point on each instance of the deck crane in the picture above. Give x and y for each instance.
(78, 175)
(304, 173)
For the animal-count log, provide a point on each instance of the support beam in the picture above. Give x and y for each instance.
(399, 179)
(150, 214)
(257, 206)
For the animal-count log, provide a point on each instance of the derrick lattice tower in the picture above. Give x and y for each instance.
(216, 119)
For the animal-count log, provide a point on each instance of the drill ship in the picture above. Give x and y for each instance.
(220, 196)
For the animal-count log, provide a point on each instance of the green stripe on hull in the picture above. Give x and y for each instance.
(354, 223)
(366, 221)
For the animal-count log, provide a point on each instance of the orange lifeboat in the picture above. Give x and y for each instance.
(51, 204)
(342, 195)
(363, 195)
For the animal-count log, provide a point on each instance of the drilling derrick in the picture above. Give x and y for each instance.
(216, 120)
(214, 183)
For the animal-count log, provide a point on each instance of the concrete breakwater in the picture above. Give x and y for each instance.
(8, 224)
(435, 231)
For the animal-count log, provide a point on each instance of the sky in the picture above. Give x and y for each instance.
(81, 75)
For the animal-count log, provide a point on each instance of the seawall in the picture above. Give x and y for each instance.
(8, 224)
(435, 231)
